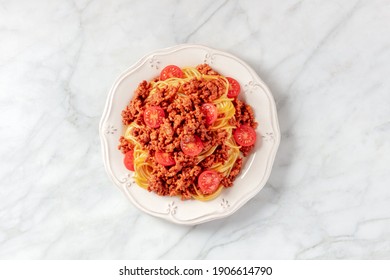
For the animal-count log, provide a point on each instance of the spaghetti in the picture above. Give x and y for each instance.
(184, 132)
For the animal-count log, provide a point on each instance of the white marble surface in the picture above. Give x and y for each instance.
(326, 62)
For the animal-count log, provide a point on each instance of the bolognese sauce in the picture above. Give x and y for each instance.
(187, 132)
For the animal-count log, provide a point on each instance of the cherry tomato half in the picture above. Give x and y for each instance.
(191, 145)
(154, 116)
(165, 159)
(210, 111)
(129, 160)
(234, 88)
(244, 135)
(171, 71)
(208, 181)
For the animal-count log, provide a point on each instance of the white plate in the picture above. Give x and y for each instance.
(254, 173)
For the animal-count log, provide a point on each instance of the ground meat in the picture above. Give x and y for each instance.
(124, 145)
(203, 91)
(246, 150)
(244, 115)
(183, 116)
(134, 110)
(228, 181)
(206, 69)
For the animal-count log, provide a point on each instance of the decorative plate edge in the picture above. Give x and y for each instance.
(209, 216)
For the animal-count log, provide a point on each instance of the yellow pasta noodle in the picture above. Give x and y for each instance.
(143, 166)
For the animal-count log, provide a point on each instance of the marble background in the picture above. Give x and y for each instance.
(326, 62)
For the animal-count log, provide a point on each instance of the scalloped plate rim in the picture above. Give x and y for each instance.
(167, 215)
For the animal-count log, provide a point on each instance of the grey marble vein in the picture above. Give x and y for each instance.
(326, 63)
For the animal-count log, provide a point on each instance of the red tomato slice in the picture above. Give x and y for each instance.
(210, 111)
(208, 181)
(171, 71)
(244, 135)
(191, 145)
(129, 160)
(234, 88)
(154, 116)
(165, 159)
